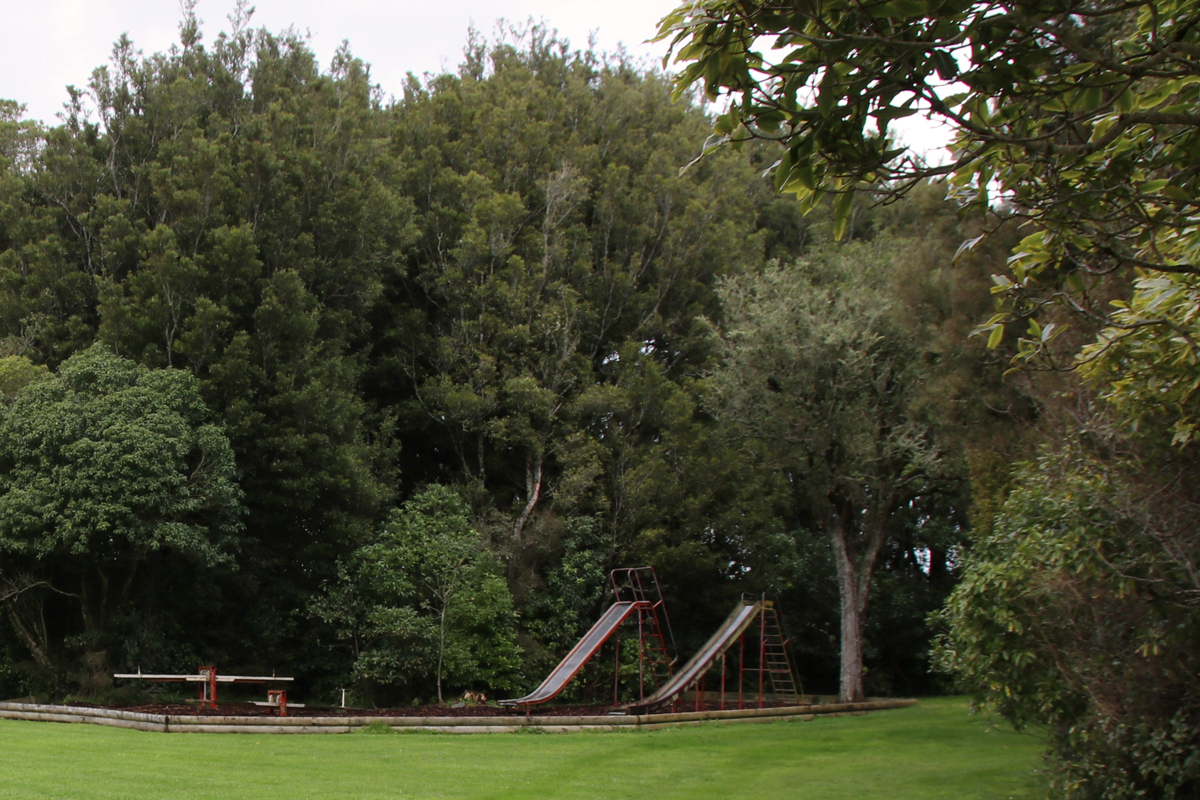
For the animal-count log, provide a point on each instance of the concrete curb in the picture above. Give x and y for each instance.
(179, 723)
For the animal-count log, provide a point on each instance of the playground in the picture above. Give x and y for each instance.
(744, 671)
(666, 741)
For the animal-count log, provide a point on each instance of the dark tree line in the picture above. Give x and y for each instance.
(469, 349)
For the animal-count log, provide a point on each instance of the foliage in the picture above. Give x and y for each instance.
(554, 233)
(1148, 359)
(1082, 116)
(17, 372)
(425, 596)
(103, 465)
(504, 271)
(1079, 610)
(18, 137)
(226, 210)
(1083, 113)
(565, 607)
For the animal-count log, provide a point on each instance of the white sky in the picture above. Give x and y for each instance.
(47, 44)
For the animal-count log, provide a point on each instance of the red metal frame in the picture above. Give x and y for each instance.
(640, 585)
(208, 687)
(278, 698)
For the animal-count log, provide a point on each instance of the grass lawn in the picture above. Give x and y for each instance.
(933, 750)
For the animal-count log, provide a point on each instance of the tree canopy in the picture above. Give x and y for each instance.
(1082, 113)
(1079, 117)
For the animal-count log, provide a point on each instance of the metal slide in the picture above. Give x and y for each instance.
(733, 627)
(592, 641)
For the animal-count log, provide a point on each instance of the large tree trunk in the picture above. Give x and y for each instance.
(854, 571)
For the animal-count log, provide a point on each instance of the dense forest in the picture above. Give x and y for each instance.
(499, 285)
(375, 391)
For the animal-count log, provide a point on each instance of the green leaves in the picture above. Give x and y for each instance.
(841, 213)
(425, 599)
(1070, 613)
(1087, 125)
(1147, 362)
(106, 462)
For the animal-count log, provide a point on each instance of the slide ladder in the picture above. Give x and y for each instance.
(654, 659)
(773, 656)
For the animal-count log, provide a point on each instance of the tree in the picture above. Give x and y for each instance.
(1078, 609)
(555, 230)
(425, 596)
(1082, 114)
(818, 372)
(102, 465)
(230, 209)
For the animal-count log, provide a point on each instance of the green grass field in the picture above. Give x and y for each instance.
(933, 750)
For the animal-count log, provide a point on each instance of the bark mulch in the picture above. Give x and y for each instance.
(249, 710)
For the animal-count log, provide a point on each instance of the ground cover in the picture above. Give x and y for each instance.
(933, 750)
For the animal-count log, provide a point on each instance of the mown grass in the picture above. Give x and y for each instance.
(933, 750)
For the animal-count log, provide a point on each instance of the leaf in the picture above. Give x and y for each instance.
(841, 213)
(1078, 69)
(968, 247)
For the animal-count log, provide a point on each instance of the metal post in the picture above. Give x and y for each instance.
(617, 670)
(762, 652)
(641, 658)
(741, 666)
(208, 686)
(722, 680)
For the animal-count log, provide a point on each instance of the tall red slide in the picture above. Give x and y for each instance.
(626, 582)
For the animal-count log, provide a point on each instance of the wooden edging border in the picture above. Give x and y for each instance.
(190, 723)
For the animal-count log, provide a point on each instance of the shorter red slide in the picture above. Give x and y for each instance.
(569, 667)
